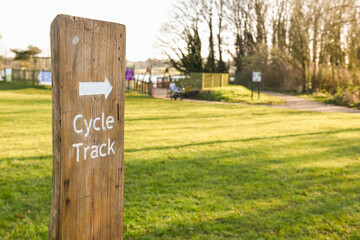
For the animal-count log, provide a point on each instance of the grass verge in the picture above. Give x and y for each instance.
(235, 94)
(318, 97)
(330, 99)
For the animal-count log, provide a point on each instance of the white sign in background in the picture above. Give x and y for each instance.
(256, 76)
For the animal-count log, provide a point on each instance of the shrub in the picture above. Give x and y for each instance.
(349, 96)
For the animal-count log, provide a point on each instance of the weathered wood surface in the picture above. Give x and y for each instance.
(87, 197)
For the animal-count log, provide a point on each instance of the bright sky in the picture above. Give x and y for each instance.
(27, 22)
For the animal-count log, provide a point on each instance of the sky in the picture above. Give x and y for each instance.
(27, 22)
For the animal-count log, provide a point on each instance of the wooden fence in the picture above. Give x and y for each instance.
(138, 86)
(31, 77)
(25, 76)
(198, 81)
(191, 82)
(211, 80)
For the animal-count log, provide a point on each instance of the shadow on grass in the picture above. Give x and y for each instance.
(211, 195)
(243, 140)
(20, 85)
(228, 195)
(137, 96)
(185, 116)
(208, 96)
(203, 127)
(25, 198)
(152, 118)
(43, 157)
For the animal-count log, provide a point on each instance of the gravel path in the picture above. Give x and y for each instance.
(297, 103)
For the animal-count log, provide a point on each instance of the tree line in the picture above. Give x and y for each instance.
(298, 45)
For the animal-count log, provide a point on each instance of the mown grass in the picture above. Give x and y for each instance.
(235, 94)
(197, 171)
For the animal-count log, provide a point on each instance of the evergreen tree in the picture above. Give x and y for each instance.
(190, 60)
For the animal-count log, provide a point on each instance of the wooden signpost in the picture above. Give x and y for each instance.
(88, 70)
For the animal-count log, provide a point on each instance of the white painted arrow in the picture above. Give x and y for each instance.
(95, 88)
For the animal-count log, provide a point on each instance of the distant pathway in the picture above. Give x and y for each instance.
(297, 103)
(292, 102)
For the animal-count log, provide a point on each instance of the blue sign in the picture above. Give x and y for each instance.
(44, 77)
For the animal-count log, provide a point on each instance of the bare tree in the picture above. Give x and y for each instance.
(220, 7)
(260, 9)
(298, 46)
(180, 39)
(280, 21)
(235, 18)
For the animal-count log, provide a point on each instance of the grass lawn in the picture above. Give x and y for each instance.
(197, 170)
(236, 94)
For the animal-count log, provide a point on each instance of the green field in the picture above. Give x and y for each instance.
(197, 170)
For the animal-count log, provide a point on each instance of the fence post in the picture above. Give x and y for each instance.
(33, 77)
(203, 80)
(88, 163)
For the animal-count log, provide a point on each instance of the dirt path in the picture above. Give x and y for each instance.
(297, 103)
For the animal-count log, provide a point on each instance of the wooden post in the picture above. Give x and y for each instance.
(88, 80)
(252, 90)
(203, 80)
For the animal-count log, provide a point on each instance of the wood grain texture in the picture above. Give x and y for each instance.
(87, 196)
